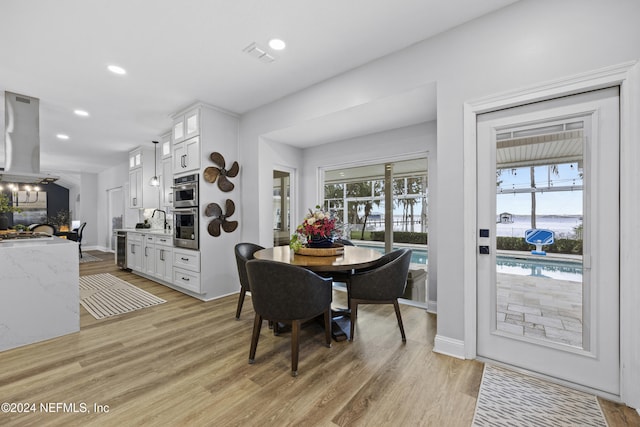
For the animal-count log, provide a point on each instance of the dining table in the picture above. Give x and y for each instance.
(349, 259)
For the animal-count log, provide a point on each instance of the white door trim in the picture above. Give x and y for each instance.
(627, 75)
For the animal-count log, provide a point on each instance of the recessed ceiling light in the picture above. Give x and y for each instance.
(277, 44)
(81, 113)
(62, 136)
(117, 70)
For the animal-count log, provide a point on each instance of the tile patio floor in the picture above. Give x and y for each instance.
(540, 307)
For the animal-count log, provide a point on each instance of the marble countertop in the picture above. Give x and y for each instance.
(22, 243)
(145, 230)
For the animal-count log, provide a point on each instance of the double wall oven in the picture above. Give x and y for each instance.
(185, 212)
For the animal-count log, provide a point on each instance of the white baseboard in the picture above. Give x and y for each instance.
(449, 346)
(432, 307)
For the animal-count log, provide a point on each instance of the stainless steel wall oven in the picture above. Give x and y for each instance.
(185, 191)
(185, 230)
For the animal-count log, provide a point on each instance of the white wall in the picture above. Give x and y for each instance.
(88, 211)
(528, 42)
(113, 177)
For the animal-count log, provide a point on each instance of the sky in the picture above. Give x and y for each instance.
(547, 203)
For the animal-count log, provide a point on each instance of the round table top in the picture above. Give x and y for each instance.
(353, 257)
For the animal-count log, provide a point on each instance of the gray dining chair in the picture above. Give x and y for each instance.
(287, 294)
(244, 252)
(383, 284)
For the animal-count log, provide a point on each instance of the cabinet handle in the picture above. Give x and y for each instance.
(161, 254)
(186, 279)
(135, 201)
(184, 259)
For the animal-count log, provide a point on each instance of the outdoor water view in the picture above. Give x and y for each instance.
(539, 186)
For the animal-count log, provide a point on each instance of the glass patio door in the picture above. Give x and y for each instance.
(548, 233)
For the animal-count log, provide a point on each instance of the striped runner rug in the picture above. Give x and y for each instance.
(508, 398)
(88, 258)
(105, 295)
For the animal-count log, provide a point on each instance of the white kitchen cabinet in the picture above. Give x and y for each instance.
(186, 156)
(134, 251)
(165, 145)
(141, 193)
(135, 158)
(166, 183)
(186, 269)
(186, 126)
(164, 258)
(135, 188)
(149, 254)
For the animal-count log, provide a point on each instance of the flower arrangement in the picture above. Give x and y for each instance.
(316, 224)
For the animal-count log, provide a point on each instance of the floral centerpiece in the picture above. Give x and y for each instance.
(318, 229)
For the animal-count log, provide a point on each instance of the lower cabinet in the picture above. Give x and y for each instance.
(164, 259)
(154, 256)
(186, 269)
(134, 252)
(148, 252)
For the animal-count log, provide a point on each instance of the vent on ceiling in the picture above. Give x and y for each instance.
(259, 52)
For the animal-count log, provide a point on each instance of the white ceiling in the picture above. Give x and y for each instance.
(178, 52)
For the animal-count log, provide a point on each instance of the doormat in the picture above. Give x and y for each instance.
(508, 398)
(105, 295)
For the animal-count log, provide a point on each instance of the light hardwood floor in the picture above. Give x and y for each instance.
(185, 363)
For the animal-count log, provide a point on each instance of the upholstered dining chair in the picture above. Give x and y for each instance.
(287, 294)
(44, 228)
(383, 284)
(244, 252)
(80, 230)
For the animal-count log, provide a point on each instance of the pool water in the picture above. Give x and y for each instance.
(418, 256)
(559, 270)
(544, 267)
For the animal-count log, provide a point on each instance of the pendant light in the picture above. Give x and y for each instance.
(155, 182)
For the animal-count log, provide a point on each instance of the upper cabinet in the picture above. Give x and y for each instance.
(135, 158)
(141, 169)
(165, 146)
(186, 126)
(186, 156)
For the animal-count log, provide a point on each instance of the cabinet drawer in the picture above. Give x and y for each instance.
(186, 279)
(188, 260)
(134, 237)
(164, 240)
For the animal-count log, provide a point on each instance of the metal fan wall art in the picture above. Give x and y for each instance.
(220, 219)
(220, 173)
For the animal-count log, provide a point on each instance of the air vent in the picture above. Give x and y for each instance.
(259, 53)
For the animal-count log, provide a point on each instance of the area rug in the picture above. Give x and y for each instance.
(508, 398)
(88, 258)
(105, 295)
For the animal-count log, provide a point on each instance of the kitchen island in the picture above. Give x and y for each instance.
(39, 290)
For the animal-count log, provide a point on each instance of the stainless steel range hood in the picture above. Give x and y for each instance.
(22, 141)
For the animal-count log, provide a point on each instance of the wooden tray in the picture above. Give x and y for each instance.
(336, 249)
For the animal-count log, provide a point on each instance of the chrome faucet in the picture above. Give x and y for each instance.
(165, 216)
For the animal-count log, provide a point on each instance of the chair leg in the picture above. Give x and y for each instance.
(354, 317)
(243, 292)
(397, 307)
(327, 327)
(257, 325)
(295, 347)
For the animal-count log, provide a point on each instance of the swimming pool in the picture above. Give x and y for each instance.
(418, 256)
(542, 267)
